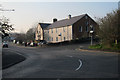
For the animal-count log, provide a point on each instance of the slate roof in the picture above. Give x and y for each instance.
(44, 25)
(65, 22)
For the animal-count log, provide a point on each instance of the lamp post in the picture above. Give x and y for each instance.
(91, 33)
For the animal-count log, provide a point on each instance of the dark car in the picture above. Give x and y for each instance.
(5, 45)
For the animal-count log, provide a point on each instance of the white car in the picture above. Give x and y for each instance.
(31, 44)
(5, 44)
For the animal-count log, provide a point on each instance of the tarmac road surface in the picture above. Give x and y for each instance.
(62, 62)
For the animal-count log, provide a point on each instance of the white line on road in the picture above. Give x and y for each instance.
(69, 56)
(79, 65)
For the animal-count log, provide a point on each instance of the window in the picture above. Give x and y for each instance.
(56, 30)
(56, 38)
(63, 29)
(91, 28)
(86, 17)
(52, 38)
(51, 30)
(80, 29)
(48, 38)
(86, 23)
(86, 28)
(64, 38)
(48, 31)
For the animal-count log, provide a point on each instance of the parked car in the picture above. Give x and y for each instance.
(5, 45)
(31, 44)
(43, 42)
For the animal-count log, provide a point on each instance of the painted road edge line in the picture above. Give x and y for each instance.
(79, 65)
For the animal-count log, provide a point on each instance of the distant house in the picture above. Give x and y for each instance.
(69, 29)
(39, 34)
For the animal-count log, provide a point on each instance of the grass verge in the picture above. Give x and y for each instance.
(113, 48)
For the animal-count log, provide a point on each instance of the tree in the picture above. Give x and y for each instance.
(5, 26)
(21, 37)
(109, 28)
(30, 34)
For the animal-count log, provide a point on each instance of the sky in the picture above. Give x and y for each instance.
(29, 14)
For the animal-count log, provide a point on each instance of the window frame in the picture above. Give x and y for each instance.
(48, 39)
(87, 28)
(51, 30)
(48, 31)
(52, 39)
(56, 30)
(80, 29)
(64, 38)
(56, 38)
(63, 29)
(86, 17)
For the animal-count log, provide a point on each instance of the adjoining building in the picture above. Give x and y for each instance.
(68, 29)
(39, 34)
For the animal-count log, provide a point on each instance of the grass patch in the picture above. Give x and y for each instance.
(114, 47)
(97, 46)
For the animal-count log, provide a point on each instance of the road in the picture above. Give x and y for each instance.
(62, 62)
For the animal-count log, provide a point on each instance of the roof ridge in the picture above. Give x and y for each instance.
(71, 18)
(45, 23)
(65, 22)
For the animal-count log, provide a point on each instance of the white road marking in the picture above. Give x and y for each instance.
(69, 56)
(79, 65)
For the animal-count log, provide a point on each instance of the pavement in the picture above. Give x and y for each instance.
(10, 58)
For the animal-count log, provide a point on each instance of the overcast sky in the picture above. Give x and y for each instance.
(28, 14)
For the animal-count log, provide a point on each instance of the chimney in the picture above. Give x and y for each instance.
(54, 20)
(69, 16)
